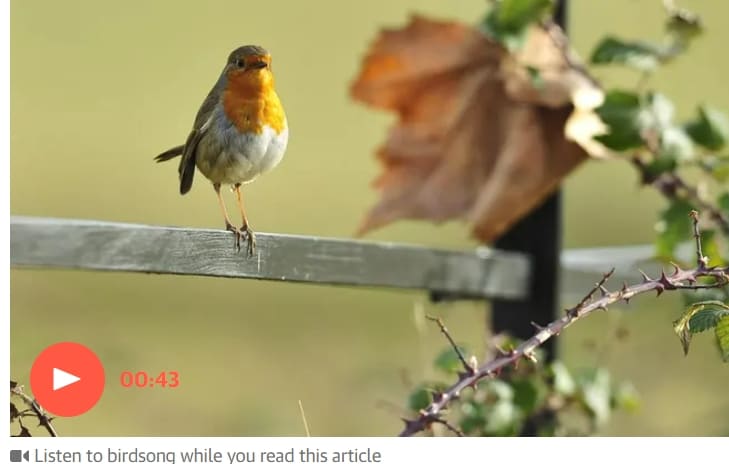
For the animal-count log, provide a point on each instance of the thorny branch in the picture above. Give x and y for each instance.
(444, 330)
(673, 187)
(35, 409)
(450, 427)
(679, 279)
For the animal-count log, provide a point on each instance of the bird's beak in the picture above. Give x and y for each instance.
(258, 65)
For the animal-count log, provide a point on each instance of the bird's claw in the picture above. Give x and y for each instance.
(250, 239)
(244, 233)
(236, 235)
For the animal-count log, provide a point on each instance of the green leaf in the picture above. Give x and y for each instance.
(724, 202)
(638, 55)
(718, 167)
(527, 394)
(447, 361)
(673, 228)
(508, 20)
(423, 395)
(502, 419)
(660, 111)
(474, 417)
(659, 166)
(710, 129)
(683, 325)
(563, 381)
(596, 394)
(701, 295)
(621, 113)
(515, 15)
(419, 398)
(676, 145)
(501, 390)
(707, 318)
(501, 413)
(684, 24)
(722, 337)
(626, 397)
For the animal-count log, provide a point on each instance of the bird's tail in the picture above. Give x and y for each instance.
(169, 154)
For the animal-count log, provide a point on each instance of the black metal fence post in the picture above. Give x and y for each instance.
(539, 235)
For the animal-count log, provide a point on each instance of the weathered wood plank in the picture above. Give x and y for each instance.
(80, 244)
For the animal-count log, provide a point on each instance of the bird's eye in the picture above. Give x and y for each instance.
(240, 63)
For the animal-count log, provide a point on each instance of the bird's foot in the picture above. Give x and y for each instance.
(236, 234)
(247, 233)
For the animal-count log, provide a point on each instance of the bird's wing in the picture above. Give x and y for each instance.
(202, 123)
(189, 153)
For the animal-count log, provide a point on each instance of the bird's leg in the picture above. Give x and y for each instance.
(245, 228)
(228, 225)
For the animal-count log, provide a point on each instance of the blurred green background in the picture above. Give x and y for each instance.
(99, 88)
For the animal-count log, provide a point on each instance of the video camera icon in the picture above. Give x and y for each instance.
(19, 455)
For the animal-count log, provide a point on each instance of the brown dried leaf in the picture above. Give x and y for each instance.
(475, 138)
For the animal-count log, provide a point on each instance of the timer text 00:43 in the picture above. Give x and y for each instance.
(142, 379)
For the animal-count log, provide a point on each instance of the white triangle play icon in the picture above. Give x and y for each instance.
(62, 379)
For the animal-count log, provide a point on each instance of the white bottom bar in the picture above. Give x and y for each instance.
(364, 450)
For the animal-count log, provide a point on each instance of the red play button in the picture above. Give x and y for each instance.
(67, 379)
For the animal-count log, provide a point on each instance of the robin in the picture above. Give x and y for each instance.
(239, 133)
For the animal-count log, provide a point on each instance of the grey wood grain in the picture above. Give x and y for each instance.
(107, 246)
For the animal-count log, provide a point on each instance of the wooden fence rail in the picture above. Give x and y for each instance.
(80, 244)
(484, 273)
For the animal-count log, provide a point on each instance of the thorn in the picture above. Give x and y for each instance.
(603, 291)
(437, 396)
(602, 307)
(473, 363)
(676, 269)
(666, 282)
(646, 279)
(530, 356)
(463, 375)
(409, 423)
(624, 292)
(659, 290)
(537, 326)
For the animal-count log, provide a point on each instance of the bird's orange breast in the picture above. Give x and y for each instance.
(251, 102)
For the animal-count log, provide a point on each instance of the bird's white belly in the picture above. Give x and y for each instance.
(225, 156)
